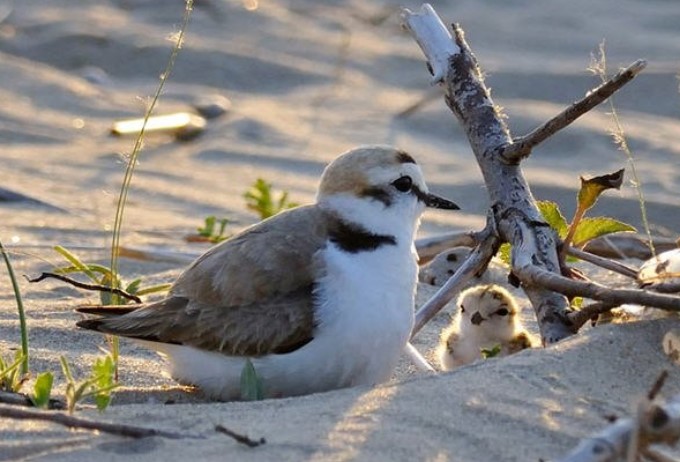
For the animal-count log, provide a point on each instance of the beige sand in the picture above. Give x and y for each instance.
(308, 80)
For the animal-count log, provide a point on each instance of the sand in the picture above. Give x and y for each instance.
(308, 80)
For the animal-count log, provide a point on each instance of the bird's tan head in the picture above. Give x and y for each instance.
(378, 173)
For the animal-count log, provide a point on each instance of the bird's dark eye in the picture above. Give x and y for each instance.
(502, 312)
(462, 309)
(403, 184)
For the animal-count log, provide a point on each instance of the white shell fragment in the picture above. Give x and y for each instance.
(661, 273)
(671, 345)
(183, 125)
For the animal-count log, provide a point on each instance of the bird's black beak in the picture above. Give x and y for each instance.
(476, 318)
(434, 201)
(437, 202)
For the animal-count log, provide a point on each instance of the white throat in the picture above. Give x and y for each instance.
(401, 219)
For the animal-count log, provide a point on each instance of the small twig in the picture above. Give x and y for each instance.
(430, 247)
(20, 399)
(477, 260)
(553, 281)
(82, 285)
(603, 262)
(654, 455)
(582, 316)
(77, 422)
(522, 146)
(243, 439)
(417, 359)
(658, 385)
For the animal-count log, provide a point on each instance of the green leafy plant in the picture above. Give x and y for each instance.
(491, 352)
(213, 230)
(581, 230)
(98, 385)
(260, 199)
(20, 308)
(11, 376)
(251, 385)
(42, 390)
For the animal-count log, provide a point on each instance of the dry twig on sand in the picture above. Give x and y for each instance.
(656, 421)
(12, 412)
(513, 216)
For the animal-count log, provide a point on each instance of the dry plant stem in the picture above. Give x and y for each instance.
(514, 209)
(243, 439)
(603, 262)
(522, 146)
(476, 261)
(12, 412)
(430, 247)
(536, 276)
(82, 285)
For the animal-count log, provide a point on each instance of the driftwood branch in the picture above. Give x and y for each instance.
(603, 262)
(12, 412)
(656, 421)
(522, 146)
(516, 218)
(572, 288)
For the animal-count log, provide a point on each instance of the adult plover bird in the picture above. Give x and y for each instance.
(318, 297)
(487, 319)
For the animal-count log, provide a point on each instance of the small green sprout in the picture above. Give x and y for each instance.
(491, 352)
(42, 390)
(260, 199)
(251, 384)
(212, 231)
(98, 385)
(11, 378)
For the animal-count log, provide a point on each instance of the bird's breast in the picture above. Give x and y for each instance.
(364, 303)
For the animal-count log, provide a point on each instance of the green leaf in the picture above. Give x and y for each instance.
(552, 215)
(42, 390)
(576, 303)
(209, 227)
(154, 289)
(491, 352)
(592, 188)
(11, 378)
(504, 252)
(251, 385)
(103, 373)
(133, 287)
(591, 228)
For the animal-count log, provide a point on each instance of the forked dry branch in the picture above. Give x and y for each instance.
(513, 216)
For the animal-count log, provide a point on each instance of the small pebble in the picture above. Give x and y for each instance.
(212, 106)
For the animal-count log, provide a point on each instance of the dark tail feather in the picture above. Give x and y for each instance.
(112, 310)
(90, 324)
